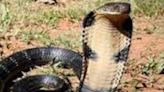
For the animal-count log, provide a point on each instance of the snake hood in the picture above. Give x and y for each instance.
(106, 41)
(114, 8)
(116, 12)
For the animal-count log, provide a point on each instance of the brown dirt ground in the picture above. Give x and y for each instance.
(144, 45)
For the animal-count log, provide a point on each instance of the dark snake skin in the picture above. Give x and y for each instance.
(12, 66)
(41, 83)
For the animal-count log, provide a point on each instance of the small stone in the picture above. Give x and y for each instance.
(139, 85)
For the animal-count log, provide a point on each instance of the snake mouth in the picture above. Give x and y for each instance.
(114, 8)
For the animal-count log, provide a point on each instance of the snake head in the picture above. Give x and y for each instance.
(114, 8)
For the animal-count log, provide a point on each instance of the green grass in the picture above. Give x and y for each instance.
(26, 17)
(42, 36)
(67, 43)
(50, 18)
(5, 18)
(154, 65)
(150, 7)
(144, 73)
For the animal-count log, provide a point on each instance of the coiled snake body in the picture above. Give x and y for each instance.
(12, 66)
(41, 83)
(106, 40)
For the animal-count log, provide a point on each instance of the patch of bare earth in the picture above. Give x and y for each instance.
(144, 45)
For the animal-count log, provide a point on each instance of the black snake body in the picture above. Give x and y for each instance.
(41, 83)
(12, 66)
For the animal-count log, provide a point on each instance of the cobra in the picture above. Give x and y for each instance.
(106, 41)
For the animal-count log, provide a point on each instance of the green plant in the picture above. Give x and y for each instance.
(65, 42)
(36, 35)
(147, 69)
(149, 7)
(155, 65)
(5, 18)
(51, 17)
(74, 14)
(160, 64)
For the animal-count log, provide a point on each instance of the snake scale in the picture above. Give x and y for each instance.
(106, 40)
(41, 83)
(12, 66)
